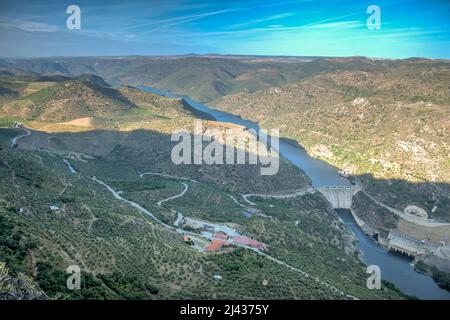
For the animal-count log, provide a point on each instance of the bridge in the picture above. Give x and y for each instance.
(340, 197)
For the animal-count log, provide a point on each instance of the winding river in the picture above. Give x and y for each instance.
(394, 268)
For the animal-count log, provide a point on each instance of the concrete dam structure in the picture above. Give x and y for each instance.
(405, 245)
(340, 197)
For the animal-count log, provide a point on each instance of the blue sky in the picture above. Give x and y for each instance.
(264, 27)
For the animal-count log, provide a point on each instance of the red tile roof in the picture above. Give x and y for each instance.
(248, 242)
(215, 245)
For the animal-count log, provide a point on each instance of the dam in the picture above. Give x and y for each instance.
(340, 197)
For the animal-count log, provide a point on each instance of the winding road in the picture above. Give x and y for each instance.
(235, 200)
(132, 203)
(71, 169)
(186, 187)
(14, 140)
(297, 193)
(167, 176)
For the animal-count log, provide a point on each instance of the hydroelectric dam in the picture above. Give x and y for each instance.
(340, 197)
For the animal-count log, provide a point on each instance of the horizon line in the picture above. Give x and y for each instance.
(219, 55)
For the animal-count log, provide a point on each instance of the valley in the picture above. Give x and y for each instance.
(101, 155)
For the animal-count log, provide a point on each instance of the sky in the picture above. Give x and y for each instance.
(266, 27)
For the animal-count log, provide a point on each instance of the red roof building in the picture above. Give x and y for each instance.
(216, 245)
(245, 241)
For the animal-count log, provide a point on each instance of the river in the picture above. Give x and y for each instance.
(394, 268)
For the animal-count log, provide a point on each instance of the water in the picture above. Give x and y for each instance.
(394, 268)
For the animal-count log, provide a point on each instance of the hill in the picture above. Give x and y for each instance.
(385, 123)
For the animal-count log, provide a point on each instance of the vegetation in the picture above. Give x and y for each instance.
(114, 286)
(442, 278)
(124, 254)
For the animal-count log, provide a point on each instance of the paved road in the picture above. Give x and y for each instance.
(132, 203)
(186, 188)
(294, 194)
(235, 200)
(167, 176)
(14, 140)
(69, 166)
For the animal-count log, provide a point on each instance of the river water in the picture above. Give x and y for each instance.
(394, 268)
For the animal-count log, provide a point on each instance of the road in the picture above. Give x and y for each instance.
(294, 194)
(167, 176)
(69, 166)
(186, 188)
(235, 200)
(132, 203)
(14, 140)
(303, 273)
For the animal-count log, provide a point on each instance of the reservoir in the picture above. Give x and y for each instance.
(394, 268)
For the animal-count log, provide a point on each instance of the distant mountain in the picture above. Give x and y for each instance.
(204, 78)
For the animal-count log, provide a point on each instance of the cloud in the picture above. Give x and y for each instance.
(255, 21)
(165, 23)
(189, 18)
(29, 26)
(341, 25)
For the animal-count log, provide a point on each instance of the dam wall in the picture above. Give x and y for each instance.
(340, 197)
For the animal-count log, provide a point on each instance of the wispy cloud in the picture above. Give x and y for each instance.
(310, 26)
(266, 19)
(184, 19)
(29, 26)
